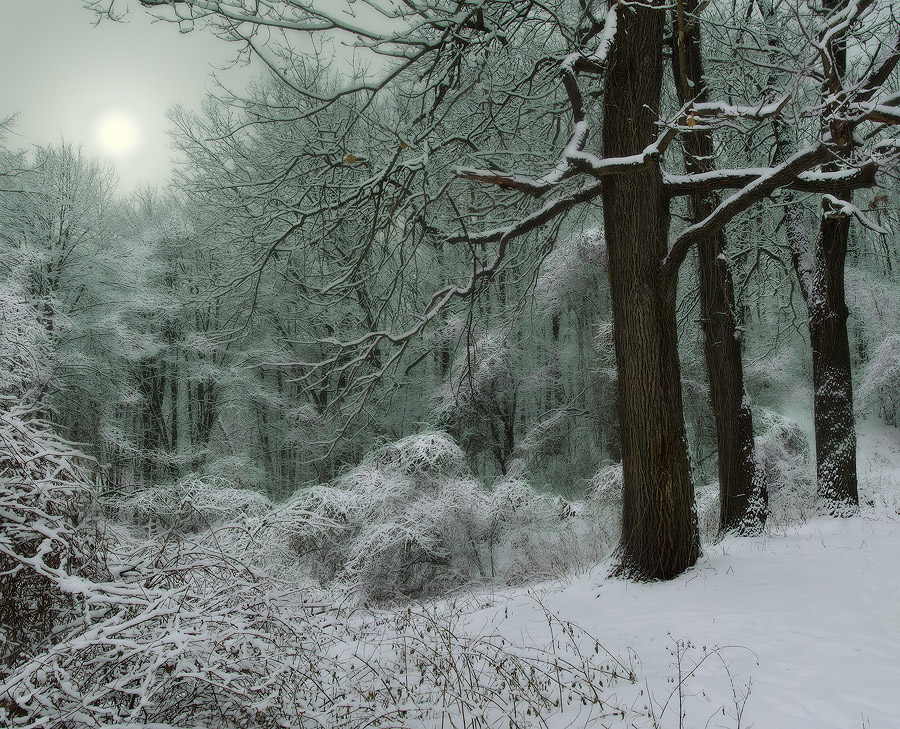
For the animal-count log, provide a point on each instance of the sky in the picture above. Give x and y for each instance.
(105, 88)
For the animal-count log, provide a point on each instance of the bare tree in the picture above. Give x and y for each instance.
(517, 69)
(850, 96)
(835, 428)
(742, 494)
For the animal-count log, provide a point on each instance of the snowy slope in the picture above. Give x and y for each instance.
(808, 620)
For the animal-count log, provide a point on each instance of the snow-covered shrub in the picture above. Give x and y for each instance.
(173, 632)
(604, 496)
(879, 391)
(426, 458)
(874, 300)
(700, 423)
(772, 379)
(784, 463)
(706, 498)
(548, 436)
(187, 636)
(47, 535)
(238, 469)
(26, 363)
(411, 520)
(406, 521)
(316, 524)
(191, 504)
(537, 536)
(114, 632)
(477, 404)
(573, 273)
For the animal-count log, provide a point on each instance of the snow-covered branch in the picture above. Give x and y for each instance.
(574, 160)
(761, 187)
(550, 210)
(717, 110)
(573, 157)
(595, 61)
(835, 206)
(815, 182)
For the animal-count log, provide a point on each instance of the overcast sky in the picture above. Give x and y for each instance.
(62, 74)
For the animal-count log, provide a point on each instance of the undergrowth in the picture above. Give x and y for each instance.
(209, 606)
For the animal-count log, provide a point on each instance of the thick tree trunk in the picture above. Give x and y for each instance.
(742, 495)
(835, 428)
(659, 525)
(832, 384)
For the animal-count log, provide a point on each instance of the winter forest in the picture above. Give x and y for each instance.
(486, 363)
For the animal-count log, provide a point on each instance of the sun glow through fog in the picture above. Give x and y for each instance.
(117, 133)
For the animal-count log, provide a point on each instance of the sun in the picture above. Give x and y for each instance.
(117, 133)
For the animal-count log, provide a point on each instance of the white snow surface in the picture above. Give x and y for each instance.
(807, 618)
(798, 628)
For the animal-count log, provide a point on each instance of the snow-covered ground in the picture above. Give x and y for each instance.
(796, 630)
(809, 621)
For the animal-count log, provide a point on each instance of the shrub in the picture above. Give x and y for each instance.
(879, 391)
(192, 504)
(411, 521)
(783, 460)
(48, 535)
(171, 632)
(26, 362)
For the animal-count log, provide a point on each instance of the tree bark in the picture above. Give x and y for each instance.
(835, 427)
(659, 526)
(742, 494)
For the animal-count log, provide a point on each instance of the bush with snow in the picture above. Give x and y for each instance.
(478, 401)
(603, 503)
(573, 273)
(879, 391)
(164, 632)
(784, 463)
(411, 520)
(46, 507)
(191, 504)
(26, 362)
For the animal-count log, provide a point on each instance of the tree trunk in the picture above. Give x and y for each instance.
(835, 428)
(832, 383)
(659, 523)
(742, 494)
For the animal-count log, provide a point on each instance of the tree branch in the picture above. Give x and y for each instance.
(760, 188)
(824, 182)
(551, 209)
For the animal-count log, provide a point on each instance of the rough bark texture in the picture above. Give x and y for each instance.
(836, 479)
(659, 526)
(742, 495)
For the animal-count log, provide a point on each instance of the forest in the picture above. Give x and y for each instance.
(463, 312)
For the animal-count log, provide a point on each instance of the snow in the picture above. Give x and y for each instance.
(757, 111)
(796, 629)
(603, 46)
(844, 207)
(809, 619)
(749, 172)
(806, 618)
